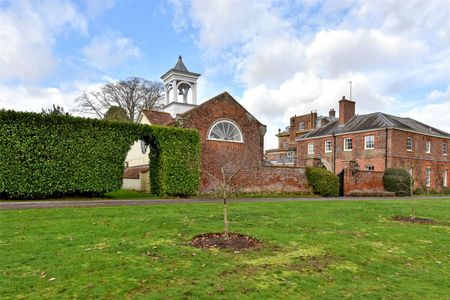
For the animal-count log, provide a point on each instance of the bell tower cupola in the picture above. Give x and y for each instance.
(180, 85)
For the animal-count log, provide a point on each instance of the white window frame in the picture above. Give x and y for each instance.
(427, 147)
(444, 149)
(285, 145)
(367, 140)
(409, 143)
(241, 136)
(428, 177)
(290, 154)
(346, 144)
(445, 179)
(330, 148)
(301, 126)
(370, 168)
(310, 148)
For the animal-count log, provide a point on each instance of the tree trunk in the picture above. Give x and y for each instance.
(225, 218)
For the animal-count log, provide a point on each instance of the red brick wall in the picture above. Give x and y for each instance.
(366, 181)
(248, 154)
(244, 158)
(266, 179)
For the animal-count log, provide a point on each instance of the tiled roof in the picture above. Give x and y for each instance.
(375, 120)
(158, 117)
(134, 172)
(181, 68)
(180, 65)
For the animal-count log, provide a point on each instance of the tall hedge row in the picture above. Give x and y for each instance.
(175, 161)
(323, 182)
(52, 155)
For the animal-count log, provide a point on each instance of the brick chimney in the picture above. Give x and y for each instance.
(346, 110)
(332, 113)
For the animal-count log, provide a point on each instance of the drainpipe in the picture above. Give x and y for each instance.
(386, 152)
(334, 153)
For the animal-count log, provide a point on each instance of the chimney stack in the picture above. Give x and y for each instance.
(346, 110)
(332, 113)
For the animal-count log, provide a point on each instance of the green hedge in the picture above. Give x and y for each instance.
(398, 181)
(175, 161)
(52, 155)
(323, 182)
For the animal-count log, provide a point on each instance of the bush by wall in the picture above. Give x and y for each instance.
(398, 181)
(53, 155)
(323, 182)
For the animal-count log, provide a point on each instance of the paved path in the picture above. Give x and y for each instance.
(4, 205)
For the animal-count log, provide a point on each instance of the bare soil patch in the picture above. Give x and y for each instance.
(409, 219)
(235, 241)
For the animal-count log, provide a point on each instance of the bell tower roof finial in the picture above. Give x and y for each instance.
(180, 65)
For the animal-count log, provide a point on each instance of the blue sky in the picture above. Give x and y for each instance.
(277, 58)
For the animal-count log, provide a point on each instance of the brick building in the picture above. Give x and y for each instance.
(375, 142)
(231, 139)
(286, 152)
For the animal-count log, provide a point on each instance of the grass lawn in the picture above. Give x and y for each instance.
(313, 249)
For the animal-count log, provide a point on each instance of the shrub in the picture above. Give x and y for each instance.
(55, 155)
(398, 181)
(323, 182)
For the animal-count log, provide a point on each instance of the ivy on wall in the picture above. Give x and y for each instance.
(52, 156)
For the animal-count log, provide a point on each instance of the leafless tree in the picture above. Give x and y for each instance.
(132, 94)
(55, 110)
(225, 180)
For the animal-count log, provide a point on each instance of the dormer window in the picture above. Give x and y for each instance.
(226, 131)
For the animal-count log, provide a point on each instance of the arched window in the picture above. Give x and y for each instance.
(225, 130)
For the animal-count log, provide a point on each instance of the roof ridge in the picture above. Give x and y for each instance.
(386, 119)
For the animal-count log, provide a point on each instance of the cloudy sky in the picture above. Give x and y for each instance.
(277, 58)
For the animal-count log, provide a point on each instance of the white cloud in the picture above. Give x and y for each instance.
(28, 35)
(333, 52)
(436, 113)
(296, 57)
(109, 50)
(226, 22)
(34, 98)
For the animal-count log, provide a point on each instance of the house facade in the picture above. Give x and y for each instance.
(286, 153)
(376, 142)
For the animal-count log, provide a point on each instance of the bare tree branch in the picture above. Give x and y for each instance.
(132, 94)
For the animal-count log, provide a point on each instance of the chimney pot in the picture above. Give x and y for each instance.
(332, 113)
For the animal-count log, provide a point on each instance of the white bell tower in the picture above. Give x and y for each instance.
(180, 89)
